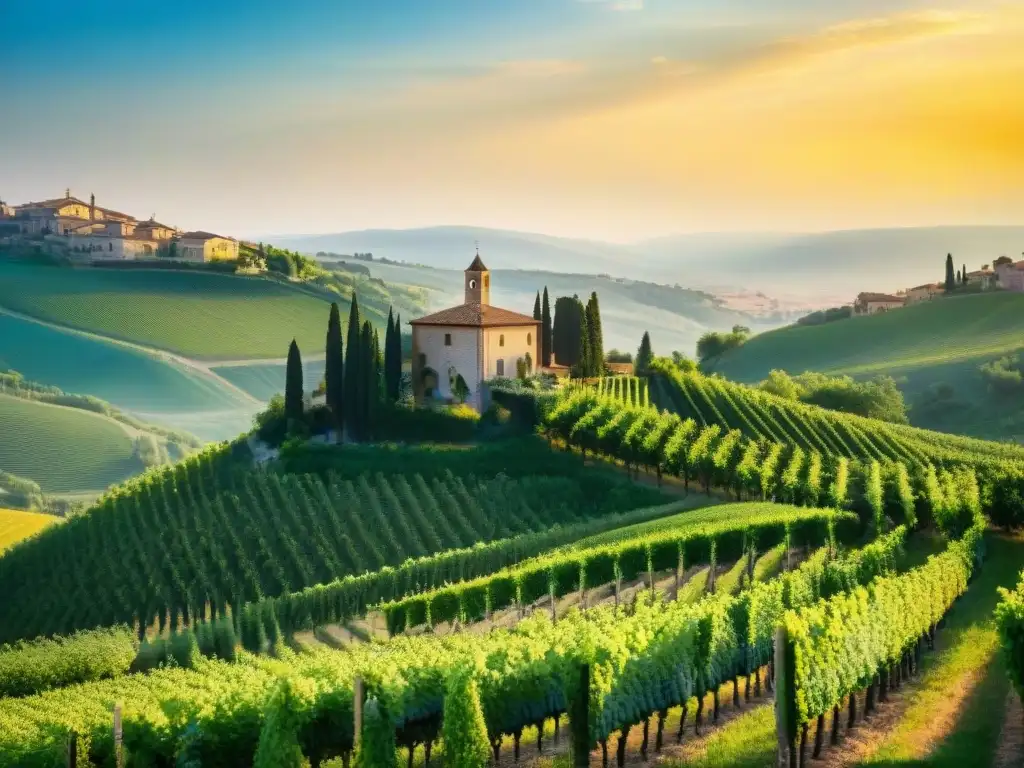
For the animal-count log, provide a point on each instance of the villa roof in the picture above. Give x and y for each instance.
(152, 224)
(476, 316)
(477, 265)
(199, 235)
(866, 297)
(57, 202)
(926, 285)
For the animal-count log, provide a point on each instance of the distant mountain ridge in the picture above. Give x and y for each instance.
(825, 267)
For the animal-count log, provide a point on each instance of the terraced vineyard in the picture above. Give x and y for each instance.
(758, 415)
(176, 543)
(63, 449)
(16, 525)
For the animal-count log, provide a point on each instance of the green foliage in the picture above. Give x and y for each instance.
(31, 667)
(546, 331)
(566, 339)
(714, 344)
(876, 398)
(334, 366)
(377, 743)
(1009, 618)
(839, 645)
(1004, 375)
(279, 739)
(464, 731)
(595, 350)
(644, 356)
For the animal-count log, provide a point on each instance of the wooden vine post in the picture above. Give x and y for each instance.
(785, 703)
(358, 700)
(118, 737)
(579, 720)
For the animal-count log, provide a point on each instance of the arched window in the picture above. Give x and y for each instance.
(501, 367)
(501, 340)
(529, 338)
(472, 284)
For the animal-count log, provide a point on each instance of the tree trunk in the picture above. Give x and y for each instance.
(682, 722)
(869, 699)
(757, 682)
(883, 684)
(835, 725)
(700, 713)
(819, 737)
(604, 753)
(620, 748)
(852, 721)
(803, 745)
(515, 744)
(643, 743)
(540, 738)
(746, 691)
(427, 747)
(659, 735)
(714, 716)
(736, 692)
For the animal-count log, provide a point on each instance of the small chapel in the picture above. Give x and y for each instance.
(457, 349)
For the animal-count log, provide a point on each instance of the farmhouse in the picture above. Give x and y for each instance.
(873, 303)
(455, 350)
(206, 246)
(925, 292)
(983, 277)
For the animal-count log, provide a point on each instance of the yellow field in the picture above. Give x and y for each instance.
(16, 525)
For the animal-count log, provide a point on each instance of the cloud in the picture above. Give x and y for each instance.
(618, 5)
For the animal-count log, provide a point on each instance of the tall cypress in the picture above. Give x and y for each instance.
(596, 338)
(585, 366)
(644, 356)
(396, 358)
(293, 383)
(352, 369)
(334, 369)
(566, 343)
(950, 274)
(545, 331)
(367, 379)
(536, 307)
(964, 273)
(389, 345)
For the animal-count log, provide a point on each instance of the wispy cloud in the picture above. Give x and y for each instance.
(618, 5)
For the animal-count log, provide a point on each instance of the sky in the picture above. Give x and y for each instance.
(603, 119)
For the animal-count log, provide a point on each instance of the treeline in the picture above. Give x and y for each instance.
(875, 398)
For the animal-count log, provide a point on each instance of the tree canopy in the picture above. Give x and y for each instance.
(713, 344)
(876, 398)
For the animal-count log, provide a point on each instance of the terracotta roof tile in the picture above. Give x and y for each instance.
(880, 297)
(476, 315)
(198, 235)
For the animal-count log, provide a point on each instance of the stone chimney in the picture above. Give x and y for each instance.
(92, 207)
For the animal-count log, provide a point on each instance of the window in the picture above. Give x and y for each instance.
(472, 284)
(501, 367)
(501, 340)
(487, 280)
(529, 339)
(447, 339)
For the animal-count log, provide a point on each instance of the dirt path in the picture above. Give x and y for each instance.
(1010, 753)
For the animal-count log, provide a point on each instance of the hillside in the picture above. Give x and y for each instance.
(64, 450)
(16, 525)
(675, 316)
(922, 346)
(817, 267)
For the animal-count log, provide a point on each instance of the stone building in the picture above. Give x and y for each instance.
(474, 341)
(206, 246)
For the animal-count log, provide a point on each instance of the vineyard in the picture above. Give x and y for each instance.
(640, 661)
(176, 544)
(63, 449)
(758, 415)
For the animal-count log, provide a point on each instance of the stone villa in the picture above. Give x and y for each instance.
(105, 234)
(474, 341)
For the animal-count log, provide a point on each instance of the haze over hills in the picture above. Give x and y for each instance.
(813, 268)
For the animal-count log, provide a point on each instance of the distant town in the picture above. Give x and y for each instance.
(86, 231)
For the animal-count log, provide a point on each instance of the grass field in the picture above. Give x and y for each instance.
(199, 315)
(131, 380)
(941, 341)
(264, 380)
(63, 449)
(16, 525)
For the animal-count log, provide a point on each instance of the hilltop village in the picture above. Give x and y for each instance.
(88, 232)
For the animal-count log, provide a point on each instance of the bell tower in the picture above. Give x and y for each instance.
(478, 282)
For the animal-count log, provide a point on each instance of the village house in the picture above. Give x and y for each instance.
(1010, 277)
(984, 277)
(473, 341)
(873, 303)
(925, 292)
(205, 247)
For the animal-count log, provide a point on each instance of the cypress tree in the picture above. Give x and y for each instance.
(565, 337)
(396, 359)
(293, 383)
(545, 331)
(334, 369)
(963, 272)
(950, 277)
(391, 392)
(368, 375)
(644, 356)
(958, 278)
(536, 307)
(585, 365)
(352, 369)
(596, 337)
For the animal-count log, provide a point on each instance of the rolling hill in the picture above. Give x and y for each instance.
(64, 450)
(922, 346)
(816, 267)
